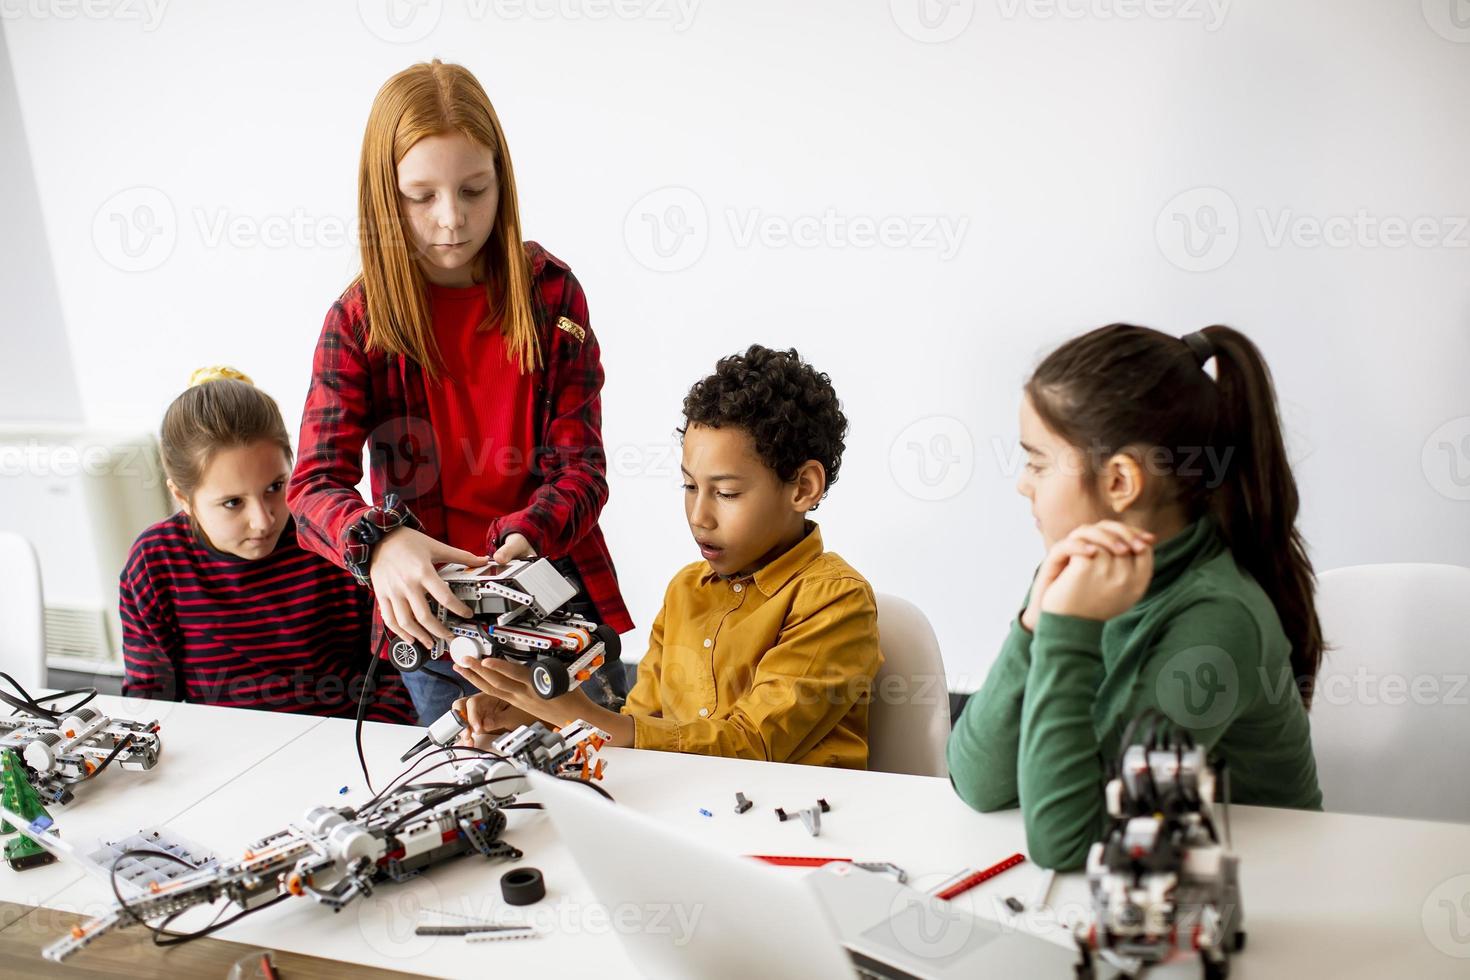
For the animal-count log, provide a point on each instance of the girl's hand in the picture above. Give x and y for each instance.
(486, 714)
(1051, 566)
(1108, 582)
(403, 575)
(514, 546)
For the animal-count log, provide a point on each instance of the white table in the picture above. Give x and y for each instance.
(1331, 895)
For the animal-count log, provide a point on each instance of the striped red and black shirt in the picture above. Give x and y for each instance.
(287, 632)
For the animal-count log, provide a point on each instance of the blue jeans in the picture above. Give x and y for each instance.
(435, 686)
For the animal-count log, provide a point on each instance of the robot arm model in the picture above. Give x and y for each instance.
(1164, 881)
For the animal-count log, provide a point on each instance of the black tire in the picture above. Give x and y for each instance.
(612, 644)
(549, 678)
(407, 655)
(1239, 940)
(1216, 971)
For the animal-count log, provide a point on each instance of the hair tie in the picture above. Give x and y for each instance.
(218, 372)
(1201, 345)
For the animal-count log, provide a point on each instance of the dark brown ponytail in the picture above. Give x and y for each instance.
(1123, 387)
(1258, 508)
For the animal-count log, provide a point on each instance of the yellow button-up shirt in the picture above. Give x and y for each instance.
(778, 665)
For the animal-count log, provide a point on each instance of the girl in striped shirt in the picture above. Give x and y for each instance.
(219, 603)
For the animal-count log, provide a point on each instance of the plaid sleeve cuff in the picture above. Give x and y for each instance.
(370, 529)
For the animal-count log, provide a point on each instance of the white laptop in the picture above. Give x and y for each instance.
(746, 919)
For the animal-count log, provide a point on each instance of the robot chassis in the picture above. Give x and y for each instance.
(336, 854)
(60, 754)
(518, 615)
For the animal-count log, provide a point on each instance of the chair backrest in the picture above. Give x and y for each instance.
(22, 613)
(1391, 706)
(908, 720)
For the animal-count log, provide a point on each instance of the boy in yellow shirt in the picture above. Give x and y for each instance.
(767, 647)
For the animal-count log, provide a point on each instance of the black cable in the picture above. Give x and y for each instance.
(117, 751)
(362, 700)
(406, 773)
(32, 706)
(161, 936)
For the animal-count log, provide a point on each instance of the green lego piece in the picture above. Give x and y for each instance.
(21, 798)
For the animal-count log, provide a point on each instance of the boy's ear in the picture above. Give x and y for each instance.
(809, 485)
(1122, 482)
(173, 491)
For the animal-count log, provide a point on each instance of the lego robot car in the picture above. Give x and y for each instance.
(519, 615)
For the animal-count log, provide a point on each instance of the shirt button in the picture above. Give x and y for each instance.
(704, 712)
(708, 643)
(739, 587)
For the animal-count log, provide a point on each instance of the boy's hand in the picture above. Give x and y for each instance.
(1106, 583)
(404, 578)
(510, 683)
(486, 714)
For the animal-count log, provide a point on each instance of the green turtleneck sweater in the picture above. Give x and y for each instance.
(1204, 645)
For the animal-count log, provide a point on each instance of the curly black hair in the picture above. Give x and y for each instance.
(789, 408)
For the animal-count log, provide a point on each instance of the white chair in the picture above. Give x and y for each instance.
(908, 719)
(22, 613)
(1391, 706)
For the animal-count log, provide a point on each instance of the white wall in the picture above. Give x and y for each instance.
(37, 382)
(1055, 137)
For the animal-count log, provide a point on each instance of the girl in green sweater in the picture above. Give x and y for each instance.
(1174, 578)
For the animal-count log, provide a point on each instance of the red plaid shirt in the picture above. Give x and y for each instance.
(358, 397)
